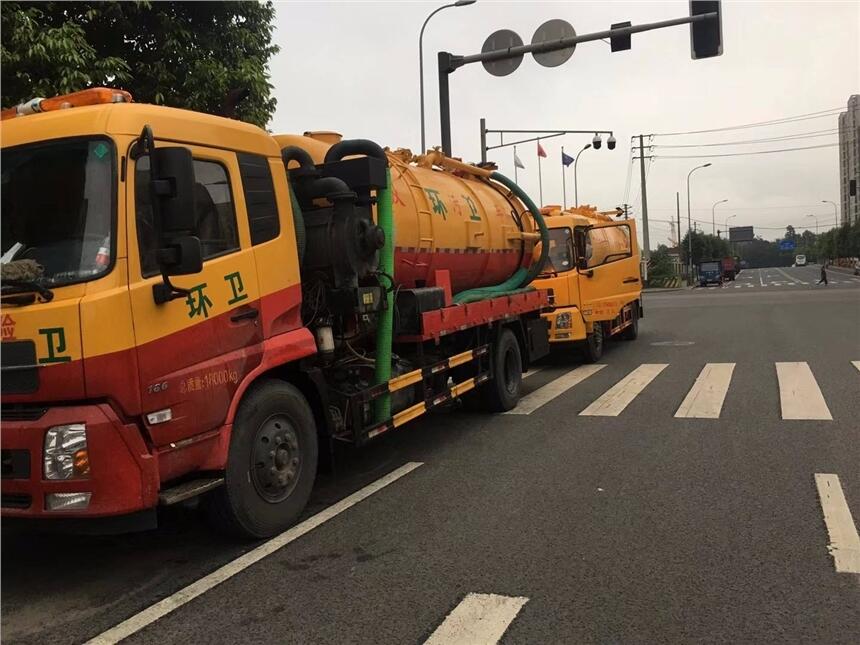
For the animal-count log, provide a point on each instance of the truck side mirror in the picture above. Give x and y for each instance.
(182, 255)
(582, 263)
(173, 188)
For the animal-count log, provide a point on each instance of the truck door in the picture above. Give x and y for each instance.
(607, 268)
(194, 350)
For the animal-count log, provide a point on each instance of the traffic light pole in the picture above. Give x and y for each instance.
(541, 134)
(449, 63)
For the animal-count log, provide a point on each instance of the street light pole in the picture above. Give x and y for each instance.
(816, 223)
(459, 3)
(575, 186)
(713, 208)
(727, 225)
(689, 220)
(835, 210)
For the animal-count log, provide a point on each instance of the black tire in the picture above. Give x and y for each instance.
(631, 332)
(592, 350)
(503, 392)
(271, 466)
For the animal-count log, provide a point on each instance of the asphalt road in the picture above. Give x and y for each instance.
(640, 527)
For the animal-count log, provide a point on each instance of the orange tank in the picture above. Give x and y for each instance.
(446, 219)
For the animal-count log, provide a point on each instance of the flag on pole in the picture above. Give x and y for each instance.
(541, 151)
(566, 159)
(518, 162)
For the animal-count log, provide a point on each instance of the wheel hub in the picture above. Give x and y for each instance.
(276, 459)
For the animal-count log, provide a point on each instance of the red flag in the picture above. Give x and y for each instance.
(541, 151)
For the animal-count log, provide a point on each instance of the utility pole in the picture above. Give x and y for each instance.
(678, 209)
(645, 237)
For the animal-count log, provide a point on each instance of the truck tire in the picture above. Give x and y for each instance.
(271, 466)
(503, 392)
(631, 332)
(592, 350)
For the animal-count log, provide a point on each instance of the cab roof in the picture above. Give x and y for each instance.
(173, 124)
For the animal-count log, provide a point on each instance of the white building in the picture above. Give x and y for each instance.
(849, 161)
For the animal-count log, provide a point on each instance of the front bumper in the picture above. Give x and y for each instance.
(123, 474)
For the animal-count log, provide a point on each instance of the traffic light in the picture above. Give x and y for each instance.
(620, 43)
(706, 36)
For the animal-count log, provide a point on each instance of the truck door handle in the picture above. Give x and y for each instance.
(249, 314)
(626, 280)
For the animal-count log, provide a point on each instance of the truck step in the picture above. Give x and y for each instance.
(187, 490)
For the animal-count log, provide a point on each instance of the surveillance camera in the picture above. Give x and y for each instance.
(610, 142)
(596, 141)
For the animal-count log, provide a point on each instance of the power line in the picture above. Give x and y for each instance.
(743, 154)
(790, 119)
(801, 135)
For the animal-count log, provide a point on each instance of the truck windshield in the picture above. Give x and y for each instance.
(58, 208)
(560, 257)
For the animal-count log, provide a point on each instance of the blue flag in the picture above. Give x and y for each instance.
(566, 159)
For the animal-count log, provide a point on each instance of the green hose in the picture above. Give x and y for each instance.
(385, 324)
(520, 280)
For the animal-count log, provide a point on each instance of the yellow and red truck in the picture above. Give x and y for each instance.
(191, 306)
(594, 277)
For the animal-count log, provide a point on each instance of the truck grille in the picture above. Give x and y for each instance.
(15, 464)
(19, 412)
(18, 366)
(15, 500)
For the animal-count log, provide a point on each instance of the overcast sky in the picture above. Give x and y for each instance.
(352, 67)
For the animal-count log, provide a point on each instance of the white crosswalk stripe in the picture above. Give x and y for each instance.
(856, 364)
(705, 398)
(620, 395)
(479, 619)
(543, 395)
(799, 394)
(844, 541)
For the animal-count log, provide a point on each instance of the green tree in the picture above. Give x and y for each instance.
(705, 247)
(182, 54)
(660, 266)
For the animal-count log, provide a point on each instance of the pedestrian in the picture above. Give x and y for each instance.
(823, 274)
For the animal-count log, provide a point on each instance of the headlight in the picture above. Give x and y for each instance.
(65, 455)
(562, 321)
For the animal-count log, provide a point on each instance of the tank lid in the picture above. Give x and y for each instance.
(325, 136)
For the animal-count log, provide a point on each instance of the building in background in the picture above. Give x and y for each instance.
(849, 160)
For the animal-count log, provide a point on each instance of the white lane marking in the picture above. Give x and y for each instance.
(856, 364)
(705, 398)
(532, 372)
(619, 396)
(799, 394)
(788, 276)
(844, 541)
(479, 619)
(760, 278)
(160, 609)
(543, 395)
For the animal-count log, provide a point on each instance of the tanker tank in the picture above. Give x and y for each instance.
(445, 219)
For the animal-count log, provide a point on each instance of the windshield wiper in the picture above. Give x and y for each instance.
(25, 286)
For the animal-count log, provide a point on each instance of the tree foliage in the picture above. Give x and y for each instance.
(705, 247)
(181, 54)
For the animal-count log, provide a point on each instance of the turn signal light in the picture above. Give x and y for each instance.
(92, 96)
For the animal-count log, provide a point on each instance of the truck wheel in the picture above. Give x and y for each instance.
(631, 332)
(593, 348)
(271, 466)
(503, 392)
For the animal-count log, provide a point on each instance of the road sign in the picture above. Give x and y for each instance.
(502, 39)
(550, 31)
(787, 245)
(741, 234)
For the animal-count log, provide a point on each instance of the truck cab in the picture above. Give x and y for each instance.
(111, 388)
(593, 273)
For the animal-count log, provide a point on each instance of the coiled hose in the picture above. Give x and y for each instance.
(520, 280)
